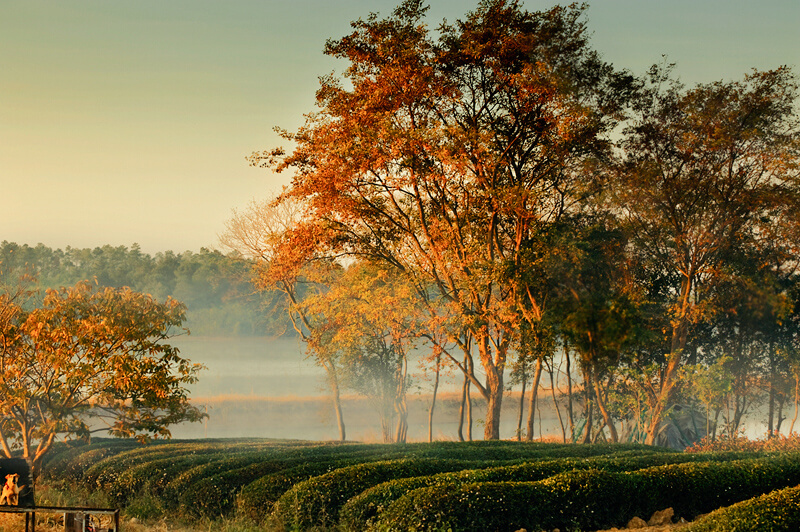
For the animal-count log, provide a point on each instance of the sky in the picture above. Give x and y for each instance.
(127, 122)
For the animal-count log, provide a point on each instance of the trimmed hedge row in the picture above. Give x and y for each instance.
(103, 474)
(588, 499)
(206, 478)
(256, 500)
(506, 450)
(582, 500)
(154, 468)
(316, 502)
(359, 512)
(776, 511)
(71, 460)
(692, 489)
(154, 476)
(173, 492)
(212, 491)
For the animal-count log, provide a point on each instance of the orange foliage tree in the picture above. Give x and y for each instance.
(444, 157)
(88, 360)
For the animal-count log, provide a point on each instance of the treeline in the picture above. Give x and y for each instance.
(216, 288)
(516, 206)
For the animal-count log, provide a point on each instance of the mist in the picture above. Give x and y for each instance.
(265, 387)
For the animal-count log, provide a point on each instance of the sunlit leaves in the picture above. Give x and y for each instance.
(90, 359)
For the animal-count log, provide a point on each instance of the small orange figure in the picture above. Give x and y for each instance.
(11, 490)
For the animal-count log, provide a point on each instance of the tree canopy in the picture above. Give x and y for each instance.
(443, 155)
(220, 296)
(542, 203)
(89, 359)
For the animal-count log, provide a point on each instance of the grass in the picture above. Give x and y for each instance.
(144, 513)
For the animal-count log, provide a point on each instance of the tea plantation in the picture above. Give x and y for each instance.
(480, 486)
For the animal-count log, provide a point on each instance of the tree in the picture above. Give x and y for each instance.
(703, 168)
(596, 307)
(273, 236)
(442, 157)
(90, 360)
(372, 320)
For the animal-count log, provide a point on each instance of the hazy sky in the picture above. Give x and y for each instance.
(128, 121)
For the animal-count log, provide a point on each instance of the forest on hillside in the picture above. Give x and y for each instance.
(216, 288)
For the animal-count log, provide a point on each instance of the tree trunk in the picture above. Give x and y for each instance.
(433, 399)
(337, 401)
(570, 414)
(589, 411)
(401, 433)
(463, 408)
(680, 332)
(551, 370)
(781, 417)
(532, 402)
(469, 412)
(601, 405)
(492, 391)
(521, 406)
(400, 406)
(771, 415)
(494, 381)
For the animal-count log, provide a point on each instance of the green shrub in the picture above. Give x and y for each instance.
(256, 500)
(73, 459)
(153, 476)
(357, 484)
(506, 451)
(316, 502)
(144, 506)
(361, 510)
(103, 474)
(214, 493)
(173, 492)
(776, 511)
(590, 498)
(215, 496)
(696, 488)
(583, 500)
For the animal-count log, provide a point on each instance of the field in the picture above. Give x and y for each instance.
(261, 484)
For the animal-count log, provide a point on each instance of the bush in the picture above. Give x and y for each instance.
(590, 498)
(153, 476)
(779, 443)
(696, 488)
(361, 511)
(584, 500)
(174, 491)
(211, 492)
(316, 502)
(73, 459)
(776, 511)
(256, 500)
(507, 451)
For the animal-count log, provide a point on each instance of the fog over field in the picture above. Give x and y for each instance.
(266, 387)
